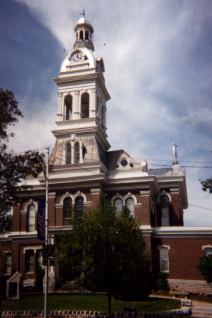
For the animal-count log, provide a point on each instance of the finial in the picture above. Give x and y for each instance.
(174, 151)
(82, 13)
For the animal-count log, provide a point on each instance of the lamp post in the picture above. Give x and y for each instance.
(46, 277)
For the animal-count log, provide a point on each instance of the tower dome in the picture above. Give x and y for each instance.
(84, 33)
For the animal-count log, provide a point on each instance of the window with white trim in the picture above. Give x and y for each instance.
(76, 152)
(7, 263)
(78, 208)
(29, 261)
(85, 105)
(120, 202)
(31, 218)
(208, 251)
(164, 205)
(164, 259)
(67, 211)
(130, 205)
(68, 107)
(68, 153)
(73, 207)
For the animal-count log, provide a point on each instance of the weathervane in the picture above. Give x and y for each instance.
(82, 13)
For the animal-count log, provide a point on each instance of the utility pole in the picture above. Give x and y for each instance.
(46, 279)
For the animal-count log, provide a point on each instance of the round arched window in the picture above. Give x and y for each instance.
(118, 204)
(31, 218)
(68, 153)
(78, 208)
(68, 107)
(67, 211)
(130, 205)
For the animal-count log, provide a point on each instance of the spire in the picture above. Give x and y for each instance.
(84, 32)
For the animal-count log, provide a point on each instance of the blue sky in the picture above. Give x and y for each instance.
(158, 60)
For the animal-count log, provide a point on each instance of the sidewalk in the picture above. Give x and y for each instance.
(198, 303)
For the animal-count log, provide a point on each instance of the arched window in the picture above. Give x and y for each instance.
(76, 152)
(67, 211)
(86, 35)
(68, 153)
(68, 107)
(85, 105)
(78, 208)
(81, 35)
(29, 261)
(118, 204)
(31, 218)
(129, 203)
(164, 205)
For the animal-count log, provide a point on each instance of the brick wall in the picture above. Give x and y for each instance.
(184, 254)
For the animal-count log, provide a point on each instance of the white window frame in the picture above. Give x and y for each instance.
(164, 259)
(205, 248)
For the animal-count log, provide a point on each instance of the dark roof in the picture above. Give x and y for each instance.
(113, 157)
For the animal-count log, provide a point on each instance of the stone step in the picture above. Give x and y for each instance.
(202, 312)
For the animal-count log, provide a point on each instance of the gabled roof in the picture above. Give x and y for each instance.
(113, 157)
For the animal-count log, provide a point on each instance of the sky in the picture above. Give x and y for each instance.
(158, 62)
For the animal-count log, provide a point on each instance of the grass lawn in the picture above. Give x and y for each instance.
(86, 302)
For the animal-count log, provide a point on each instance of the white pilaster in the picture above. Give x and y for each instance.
(92, 108)
(76, 105)
(59, 107)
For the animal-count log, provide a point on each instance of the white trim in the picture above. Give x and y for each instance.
(63, 105)
(32, 248)
(163, 246)
(182, 231)
(166, 194)
(79, 193)
(73, 197)
(206, 246)
(117, 196)
(28, 203)
(65, 195)
(130, 195)
(159, 248)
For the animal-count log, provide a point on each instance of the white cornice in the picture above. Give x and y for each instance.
(146, 229)
(181, 231)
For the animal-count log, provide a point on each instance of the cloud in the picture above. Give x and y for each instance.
(158, 72)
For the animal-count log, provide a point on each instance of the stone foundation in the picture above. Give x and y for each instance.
(190, 286)
(90, 314)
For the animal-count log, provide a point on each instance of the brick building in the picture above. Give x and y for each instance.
(83, 169)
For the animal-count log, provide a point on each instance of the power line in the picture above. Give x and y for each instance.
(183, 166)
(200, 207)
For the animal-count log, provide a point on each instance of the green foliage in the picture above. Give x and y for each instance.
(111, 254)
(206, 185)
(87, 302)
(9, 112)
(13, 168)
(205, 267)
(162, 282)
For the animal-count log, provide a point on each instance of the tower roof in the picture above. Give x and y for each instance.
(82, 21)
(84, 31)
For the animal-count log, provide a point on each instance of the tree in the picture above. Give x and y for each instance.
(113, 255)
(13, 168)
(205, 267)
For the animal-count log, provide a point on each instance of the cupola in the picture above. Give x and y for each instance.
(84, 33)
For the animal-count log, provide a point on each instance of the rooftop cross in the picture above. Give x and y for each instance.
(82, 13)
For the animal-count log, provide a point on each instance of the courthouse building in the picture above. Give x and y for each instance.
(83, 170)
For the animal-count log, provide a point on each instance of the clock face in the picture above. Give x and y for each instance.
(77, 57)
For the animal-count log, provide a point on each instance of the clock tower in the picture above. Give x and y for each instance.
(81, 138)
